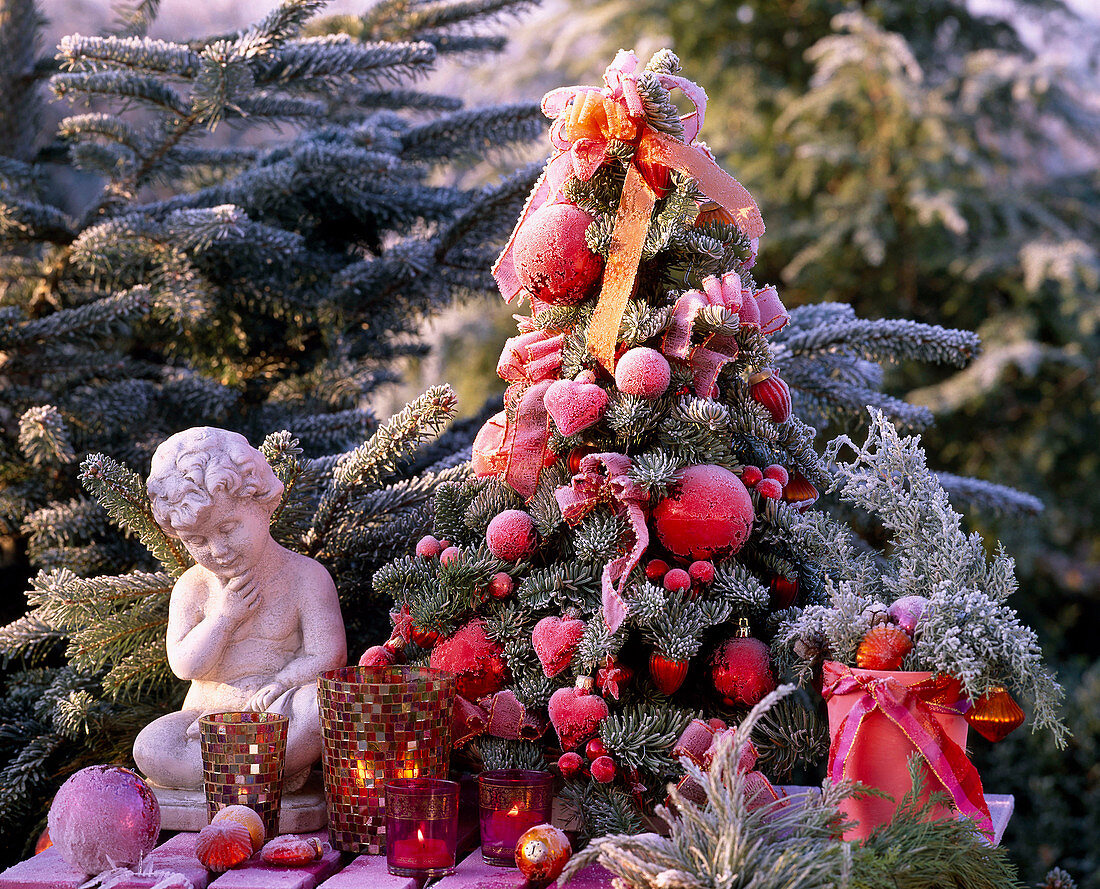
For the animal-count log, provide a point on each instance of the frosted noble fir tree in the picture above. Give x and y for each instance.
(609, 568)
(259, 284)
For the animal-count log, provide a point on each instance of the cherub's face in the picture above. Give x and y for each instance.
(230, 536)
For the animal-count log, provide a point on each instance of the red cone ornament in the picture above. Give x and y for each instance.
(995, 715)
(553, 261)
(668, 674)
(741, 670)
(709, 515)
(769, 390)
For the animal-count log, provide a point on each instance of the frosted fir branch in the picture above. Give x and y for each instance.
(25, 220)
(283, 23)
(28, 639)
(988, 496)
(87, 323)
(134, 20)
(882, 340)
(404, 99)
(44, 436)
(336, 59)
(473, 133)
(104, 126)
(848, 400)
(422, 419)
(80, 54)
(122, 493)
(112, 162)
(121, 85)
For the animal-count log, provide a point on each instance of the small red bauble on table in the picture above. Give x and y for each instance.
(553, 261)
(709, 514)
(741, 669)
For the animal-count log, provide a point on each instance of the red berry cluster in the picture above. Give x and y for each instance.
(600, 764)
(768, 482)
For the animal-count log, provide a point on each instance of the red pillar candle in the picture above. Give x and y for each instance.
(512, 801)
(421, 827)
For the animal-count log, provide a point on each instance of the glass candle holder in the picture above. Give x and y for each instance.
(421, 827)
(242, 763)
(378, 724)
(512, 800)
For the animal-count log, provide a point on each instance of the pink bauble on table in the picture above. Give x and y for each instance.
(102, 817)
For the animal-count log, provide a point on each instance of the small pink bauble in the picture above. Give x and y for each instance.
(677, 581)
(500, 585)
(428, 547)
(511, 535)
(642, 371)
(103, 817)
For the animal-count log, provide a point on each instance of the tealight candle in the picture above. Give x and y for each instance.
(512, 800)
(421, 827)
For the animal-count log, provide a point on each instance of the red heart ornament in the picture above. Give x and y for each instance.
(574, 406)
(576, 715)
(555, 640)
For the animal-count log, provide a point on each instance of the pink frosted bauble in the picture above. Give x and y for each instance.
(701, 572)
(709, 514)
(677, 581)
(511, 535)
(475, 660)
(449, 555)
(643, 372)
(428, 547)
(907, 611)
(104, 817)
(501, 585)
(552, 259)
(377, 656)
(741, 671)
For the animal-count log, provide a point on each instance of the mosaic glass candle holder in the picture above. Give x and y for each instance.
(421, 827)
(512, 800)
(378, 724)
(242, 763)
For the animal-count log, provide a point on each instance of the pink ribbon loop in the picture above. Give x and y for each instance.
(911, 709)
(605, 479)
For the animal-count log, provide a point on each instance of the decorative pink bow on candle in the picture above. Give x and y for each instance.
(530, 362)
(586, 119)
(910, 708)
(762, 309)
(604, 478)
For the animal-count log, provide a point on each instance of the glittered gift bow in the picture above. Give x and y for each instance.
(530, 362)
(586, 119)
(911, 709)
(603, 478)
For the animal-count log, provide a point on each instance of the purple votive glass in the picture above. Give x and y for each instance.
(421, 827)
(512, 800)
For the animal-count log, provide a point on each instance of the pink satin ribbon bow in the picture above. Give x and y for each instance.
(604, 478)
(910, 708)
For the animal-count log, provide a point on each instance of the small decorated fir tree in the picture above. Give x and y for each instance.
(635, 514)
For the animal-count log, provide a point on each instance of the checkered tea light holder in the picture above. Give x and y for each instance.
(242, 762)
(378, 724)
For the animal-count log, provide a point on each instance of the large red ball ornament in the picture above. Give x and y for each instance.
(103, 817)
(709, 514)
(552, 259)
(741, 671)
(476, 662)
(511, 535)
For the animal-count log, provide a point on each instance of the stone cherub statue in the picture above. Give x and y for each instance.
(251, 624)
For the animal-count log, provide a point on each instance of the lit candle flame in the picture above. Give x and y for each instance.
(514, 810)
(420, 834)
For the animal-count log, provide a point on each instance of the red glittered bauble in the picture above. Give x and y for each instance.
(511, 535)
(883, 648)
(553, 261)
(476, 662)
(709, 514)
(769, 390)
(490, 455)
(667, 673)
(741, 671)
(644, 372)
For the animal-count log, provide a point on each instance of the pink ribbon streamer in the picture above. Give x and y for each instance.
(604, 478)
(910, 708)
(531, 362)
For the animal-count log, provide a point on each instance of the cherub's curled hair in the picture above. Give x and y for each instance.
(193, 466)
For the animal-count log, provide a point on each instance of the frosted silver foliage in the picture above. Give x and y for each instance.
(968, 629)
